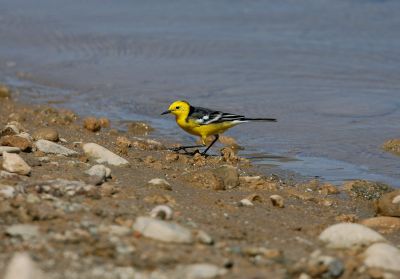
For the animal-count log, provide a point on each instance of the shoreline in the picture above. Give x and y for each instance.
(236, 222)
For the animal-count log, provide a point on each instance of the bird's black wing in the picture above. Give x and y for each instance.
(204, 116)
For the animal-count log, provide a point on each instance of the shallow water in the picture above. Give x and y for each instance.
(328, 70)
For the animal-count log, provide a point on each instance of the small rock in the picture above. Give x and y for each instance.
(277, 201)
(346, 235)
(22, 266)
(50, 147)
(25, 231)
(9, 149)
(49, 134)
(382, 255)
(160, 183)
(103, 155)
(203, 237)
(92, 124)
(367, 190)
(228, 175)
(162, 212)
(7, 191)
(383, 224)
(15, 164)
(16, 141)
(99, 171)
(389, 205)
(5, 92)
(246, 202)
(162, 230)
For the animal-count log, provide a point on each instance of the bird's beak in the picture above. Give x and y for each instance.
(166, 112)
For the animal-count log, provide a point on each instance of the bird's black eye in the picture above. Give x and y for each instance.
(178, 107)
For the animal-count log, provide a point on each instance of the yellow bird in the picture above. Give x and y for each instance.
(205, 122)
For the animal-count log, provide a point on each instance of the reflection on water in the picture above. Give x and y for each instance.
(328, 70)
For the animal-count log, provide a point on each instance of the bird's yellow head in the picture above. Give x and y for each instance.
(178, 108)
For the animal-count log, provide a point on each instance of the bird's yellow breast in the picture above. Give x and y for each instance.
(203, 131)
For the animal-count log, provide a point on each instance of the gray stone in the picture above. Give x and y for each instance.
(15, 164)
(22, 266)
(103, 155)
(25, 231)
(203, 237)
(100, 171)
(346, 235)
(382, 255)
(9, 149)
(50, 147)
(162, 230)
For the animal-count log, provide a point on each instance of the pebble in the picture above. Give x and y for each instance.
(228, 175)
(7, 191)
(246, 202)
(15, 164)
(99, 171)
(16, 141)
(162, 230)
(103, 155)
(277, 201)
(22, 266)
(92, 124)
(9, 149)
(203, 237)
(383, 224)
(389, 204)
(50, 147)
(163, 212)
(160, 183)
(25, 231)
(382, 255)
(346, 235)
(46, 133)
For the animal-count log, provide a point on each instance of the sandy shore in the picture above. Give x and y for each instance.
(220, 218)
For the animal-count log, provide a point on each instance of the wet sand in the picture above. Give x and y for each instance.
(90, 233)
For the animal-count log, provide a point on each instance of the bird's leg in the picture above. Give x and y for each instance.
(211, 144)
(177, 149)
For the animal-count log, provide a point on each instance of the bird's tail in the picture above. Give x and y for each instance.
(260, 119)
